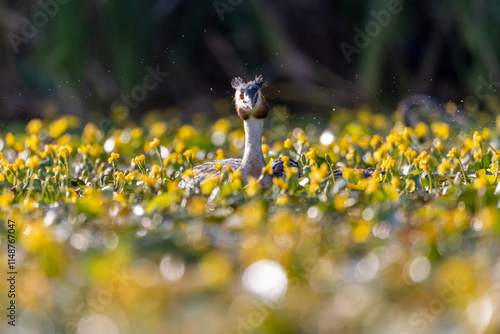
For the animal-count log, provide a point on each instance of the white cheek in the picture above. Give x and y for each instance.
(259, 99)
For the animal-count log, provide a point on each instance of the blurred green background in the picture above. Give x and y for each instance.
(79, 56)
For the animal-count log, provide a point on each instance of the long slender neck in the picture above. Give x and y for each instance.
(253, 159)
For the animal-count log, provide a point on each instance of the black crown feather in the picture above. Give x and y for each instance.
(238, 83)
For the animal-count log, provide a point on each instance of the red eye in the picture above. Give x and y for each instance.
(242, 96)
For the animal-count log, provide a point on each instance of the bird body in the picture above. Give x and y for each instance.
(252, 108)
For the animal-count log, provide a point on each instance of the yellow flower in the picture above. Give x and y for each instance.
(148, 180)
(451, 108)
(376, 139)
(236, 175)
(222, 125)
(189, 173)
(280, 182)
(252, 187)
(379, 121)
(377, 175)
(268, 169)
(468, 144)
(172, 187)
(10, 139)
(180, 147)
(196, 205)
(340, 202)
(186, 132)
(372, 186)
(83, 149)
(20, 163)
(388, 163)
(478, 154)
(96, 150)
(34, 126)
(139, 159)
(90, 133)
(421, 130)
(2, 178)
(119, 176)
(214, 269)
(129, 178)
(119, 197)
(282, 200)
(477, 139)
(410, 154)
(114, 157)
(311, 155)
(424, 164)
(155, 143)
(350, 154)
(156, 171)
(71, 196)
(453, 153)
(318, 174)
(438, 145)
(444, 166)
(33, 161)
(393, 139)
(220, 154)
(157, 129)
(64, 151)
(348, 174)
(6, 199)
(189, 154)
(287, 143)
(302, 139)
(58, 127)
(265, 149)
(209, 184)
(441, 130)
(218, 166)
(362, 231)
(406, 133)
(395, 183)
(410, 185)
(486, 133)
(480, 182)
(493, 168)
(137, 133)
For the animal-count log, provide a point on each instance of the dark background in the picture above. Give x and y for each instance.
(91, 52)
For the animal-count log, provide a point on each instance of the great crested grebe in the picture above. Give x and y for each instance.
(252, 108)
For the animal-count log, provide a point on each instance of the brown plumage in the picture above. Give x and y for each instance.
(260, 113)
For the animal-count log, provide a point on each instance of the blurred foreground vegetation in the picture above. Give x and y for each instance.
(108, 243)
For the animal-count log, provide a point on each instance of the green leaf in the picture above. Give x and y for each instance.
(76, 182)
(486, 160)
(491, 179)
(425, 182)
(481, 173)
(160, 202)
(89, 206)
(476, 166)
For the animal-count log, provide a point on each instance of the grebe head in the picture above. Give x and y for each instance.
(248, 98)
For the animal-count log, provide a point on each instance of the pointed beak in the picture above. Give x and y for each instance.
(252, 104)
